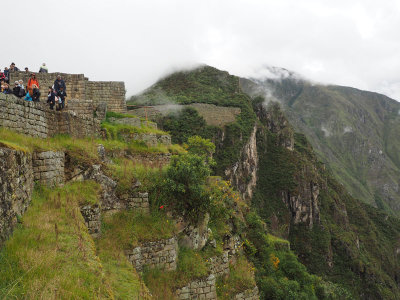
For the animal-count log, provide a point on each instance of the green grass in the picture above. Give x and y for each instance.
(50, 254)
(239, 279)
(127, 229)
(191, 266)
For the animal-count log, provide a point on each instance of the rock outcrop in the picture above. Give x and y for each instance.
(243, 175)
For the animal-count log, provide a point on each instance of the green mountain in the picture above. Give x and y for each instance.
(356, 133)
(334, 234)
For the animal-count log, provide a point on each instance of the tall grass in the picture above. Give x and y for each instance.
(51, 255)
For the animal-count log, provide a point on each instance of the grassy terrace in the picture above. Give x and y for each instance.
(81, 148)
(52, 232)
(51, 255)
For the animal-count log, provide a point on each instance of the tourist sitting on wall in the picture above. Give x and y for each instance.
(35, 93)
(21, 84)
(5, 77)
(32, 81)
(13, 68)
(62, 94)
(28, 97)
(43, 69)
(59, 82)
(6, 89)
(22, 91)
(26, 70)
(51, 97)
(17, 89)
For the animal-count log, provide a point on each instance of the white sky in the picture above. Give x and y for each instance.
(354, 43)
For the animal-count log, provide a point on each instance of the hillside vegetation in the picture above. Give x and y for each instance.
(344, 241)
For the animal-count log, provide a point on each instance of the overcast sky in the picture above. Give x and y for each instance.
(354, 43)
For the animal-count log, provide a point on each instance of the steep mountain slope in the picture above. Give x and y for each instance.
(355, 132)
(335, 235)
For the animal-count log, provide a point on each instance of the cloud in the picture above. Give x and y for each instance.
(354, 43)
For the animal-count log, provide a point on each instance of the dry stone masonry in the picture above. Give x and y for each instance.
(198, 289)
(219, 265)
(92, 216)
(48, 167)
(158, 254)
(16, 186)
(251, 294)
(79, 87)
(37, 120)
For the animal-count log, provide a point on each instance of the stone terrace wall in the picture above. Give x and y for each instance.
(158, 254)
(36, 119)
(81, 107)
(48, 167)
(219, 265)
(79, 87)
(113, 93)
(198, 289)
(16, 185)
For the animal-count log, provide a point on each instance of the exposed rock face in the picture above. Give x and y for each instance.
(195, 237)
(158, 254)
(274, 119)
(243, 175)
(110, 199)
(303, 206)
(16, 186)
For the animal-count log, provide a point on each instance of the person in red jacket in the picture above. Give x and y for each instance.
(32, 81)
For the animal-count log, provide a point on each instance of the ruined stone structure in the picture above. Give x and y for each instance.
(48, 167)
(134, 121)
(79, 87)
(92, 216)
(37, 120)
(198, 289)
(16, 186)
(158, 254)
(251, 294)
(150, 139)
(219, 265)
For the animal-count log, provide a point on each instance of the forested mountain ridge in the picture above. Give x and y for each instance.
(334, 234)
(356, 133)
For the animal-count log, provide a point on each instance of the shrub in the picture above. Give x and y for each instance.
(185, 186)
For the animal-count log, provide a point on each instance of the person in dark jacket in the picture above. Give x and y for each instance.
(17, 89)
(62, 94)
(59, 82)
(51, 98)
(7, 74)
(35, 93)
(13, 68)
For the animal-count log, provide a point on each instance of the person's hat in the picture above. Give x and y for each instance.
(16, 82)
